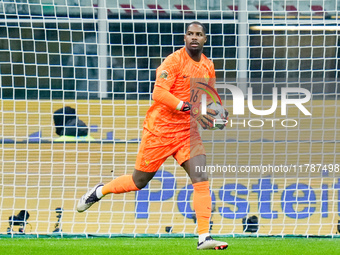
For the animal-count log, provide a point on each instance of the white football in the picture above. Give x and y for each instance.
(220, 118)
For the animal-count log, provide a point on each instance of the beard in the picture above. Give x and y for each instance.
(195, 51)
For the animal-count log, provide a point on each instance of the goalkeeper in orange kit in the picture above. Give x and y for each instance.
(170, 130)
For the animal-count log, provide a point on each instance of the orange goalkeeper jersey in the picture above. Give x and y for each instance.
(174, 75)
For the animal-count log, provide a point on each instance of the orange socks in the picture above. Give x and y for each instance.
(202, 206)
(119, 185)
(202, 198)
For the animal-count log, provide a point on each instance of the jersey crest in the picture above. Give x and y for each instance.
(164, 75)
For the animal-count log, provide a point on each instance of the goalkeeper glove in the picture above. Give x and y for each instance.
(206, 120)
(226, 118)
(184, 106)
(226, 114)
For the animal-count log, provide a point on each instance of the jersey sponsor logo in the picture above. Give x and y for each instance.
(147, 162)
(164, 74)
(206, 77)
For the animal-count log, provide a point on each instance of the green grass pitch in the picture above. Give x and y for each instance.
(127, 246)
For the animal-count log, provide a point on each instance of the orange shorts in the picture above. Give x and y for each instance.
(154, 150)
